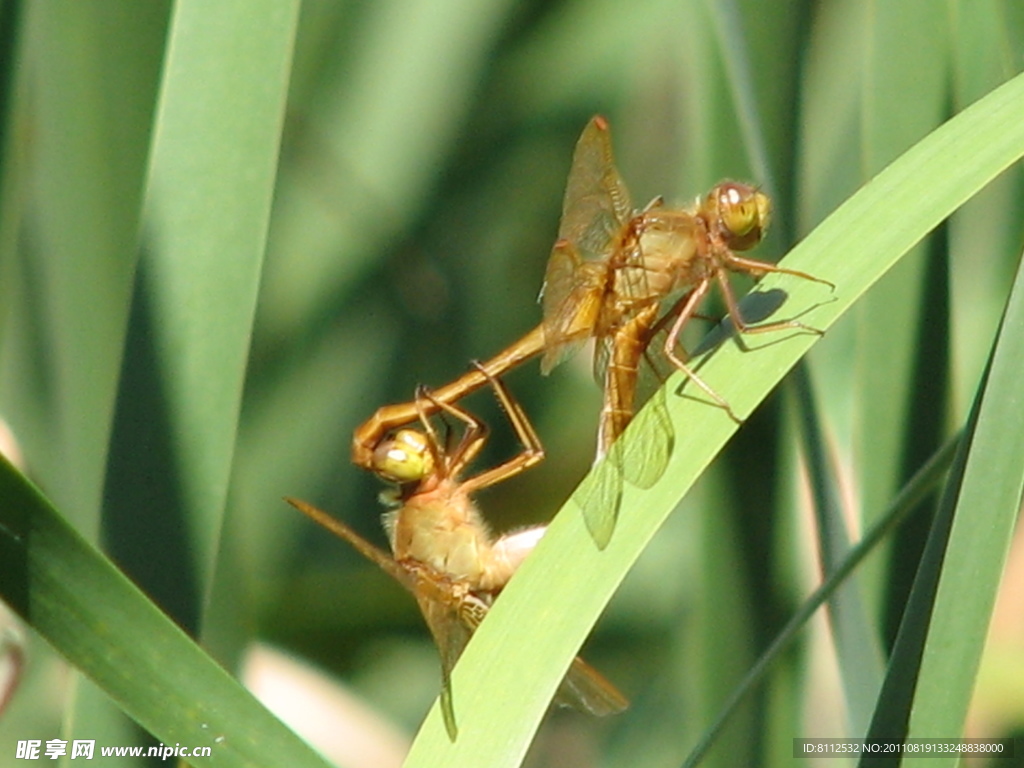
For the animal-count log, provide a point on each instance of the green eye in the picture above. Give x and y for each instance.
(744, 213)
(405, 458)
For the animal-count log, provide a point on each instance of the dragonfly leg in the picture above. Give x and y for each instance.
(474, 433)
(686, 312)
(532, 453)
(742, 327)
(369, 434)
(759, 269)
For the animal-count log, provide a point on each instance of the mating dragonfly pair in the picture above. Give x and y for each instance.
(629, 279)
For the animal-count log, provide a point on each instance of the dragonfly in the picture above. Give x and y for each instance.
(632, 279)
(442, 549)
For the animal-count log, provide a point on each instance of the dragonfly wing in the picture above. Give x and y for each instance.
(585, 689)
(644, 457)
(571, 302)
(641, 461)
(600, 493)
(655, 368)
(437, 599)
(439, 602)
(596, 203)
(599, 498)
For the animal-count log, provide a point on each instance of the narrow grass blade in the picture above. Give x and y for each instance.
(916, 489)
(100, 622)
(858, 646)
(905, 49)
(934, 663)
(988, 504)
(91, 112)
(205, 219)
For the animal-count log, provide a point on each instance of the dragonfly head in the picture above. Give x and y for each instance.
(404, 458)
(740, 212)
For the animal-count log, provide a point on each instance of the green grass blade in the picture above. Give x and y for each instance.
(80, 131)
(857, 644)
(211, 173)
(890, 720)
(906, 51)
(100, 622)
(726, 20)
(555, 599)
(916, 488)
(988, 504)
(91, 111)
(984, 236)
(207, 208)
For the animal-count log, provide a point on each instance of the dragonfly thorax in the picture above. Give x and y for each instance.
(443, 530)
(669, 241)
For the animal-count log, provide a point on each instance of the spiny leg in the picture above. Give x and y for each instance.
(474, 434)
(686, 312)
(759, 269)
(532, 453)
(742, 327)
(369, 434)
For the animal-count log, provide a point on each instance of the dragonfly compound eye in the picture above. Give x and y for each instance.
(405, 458)
(743, 212)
